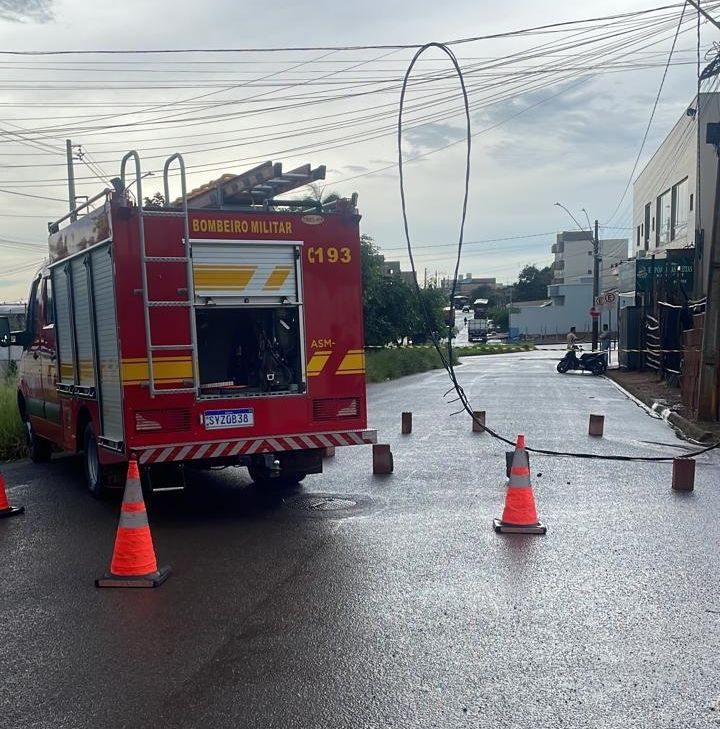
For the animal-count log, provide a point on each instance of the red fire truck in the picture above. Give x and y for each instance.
(224, 328)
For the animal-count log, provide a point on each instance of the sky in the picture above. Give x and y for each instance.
(556, 115)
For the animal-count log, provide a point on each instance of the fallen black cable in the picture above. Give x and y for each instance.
(447, 357)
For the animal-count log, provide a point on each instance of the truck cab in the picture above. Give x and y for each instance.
(37, 397)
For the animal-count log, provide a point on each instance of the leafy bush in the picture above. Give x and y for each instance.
(391, 363)
(12, 437)
(479, 349)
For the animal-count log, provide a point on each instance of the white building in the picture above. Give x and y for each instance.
(570, 296)
(568, 305)
(672, 203)
(574, 257)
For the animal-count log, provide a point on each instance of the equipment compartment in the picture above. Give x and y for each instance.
(249, 351)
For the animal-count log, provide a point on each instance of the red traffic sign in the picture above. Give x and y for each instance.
(594, 313)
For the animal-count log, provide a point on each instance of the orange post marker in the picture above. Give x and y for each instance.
(5, 508)
(520, 515)
(133, 562)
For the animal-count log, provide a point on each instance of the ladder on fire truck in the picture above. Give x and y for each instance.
(185, 259)
(257, 187)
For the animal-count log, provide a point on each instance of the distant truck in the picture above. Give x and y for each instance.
(478, 325)
(477, 330)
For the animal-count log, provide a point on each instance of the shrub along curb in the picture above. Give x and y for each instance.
(12, 436)
(480, 349)
(385, 363)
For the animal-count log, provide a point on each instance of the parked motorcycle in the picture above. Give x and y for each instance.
(595, 362)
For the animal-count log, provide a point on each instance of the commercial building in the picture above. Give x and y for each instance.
(570, 295)
(673, 196)
(663, 294)
(392, 268)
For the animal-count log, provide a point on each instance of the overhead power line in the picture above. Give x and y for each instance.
(373, 47)
(652, 116)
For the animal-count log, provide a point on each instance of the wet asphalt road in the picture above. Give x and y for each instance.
(399, 608)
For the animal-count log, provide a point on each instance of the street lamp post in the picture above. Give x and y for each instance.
(596, 267)
(596, 279)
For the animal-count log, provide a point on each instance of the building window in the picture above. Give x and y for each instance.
(647, 226)
(664, 216)
(680, 209)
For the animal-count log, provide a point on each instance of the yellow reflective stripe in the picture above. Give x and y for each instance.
(87, 371)
(165, 369)
(277, 278)
(317, 363)
(353, 363)
(222, 277)
(66, 371)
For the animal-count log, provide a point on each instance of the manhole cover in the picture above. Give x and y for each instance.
(325, 505)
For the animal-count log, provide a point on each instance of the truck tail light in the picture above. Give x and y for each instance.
(172, 420)
(336, 408)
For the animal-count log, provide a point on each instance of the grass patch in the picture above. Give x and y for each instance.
(12, 437)
(480, 349)
(389, 364)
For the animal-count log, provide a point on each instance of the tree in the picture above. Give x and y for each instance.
(316, 195)
(156, 201)
(391, 308)
(483, 292)
(532, 283)
(500, 318)
(430, 307)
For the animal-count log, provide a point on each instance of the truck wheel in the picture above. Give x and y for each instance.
(261, 476)
(40, 448)
(94, 470)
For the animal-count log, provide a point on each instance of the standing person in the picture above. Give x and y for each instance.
(605, 339)
(571, 339)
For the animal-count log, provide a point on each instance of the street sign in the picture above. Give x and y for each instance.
(606, 299)
(594, 313)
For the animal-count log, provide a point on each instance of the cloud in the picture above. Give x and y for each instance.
(18, 11)
(356, 169)
(568, 120)
(432, 136)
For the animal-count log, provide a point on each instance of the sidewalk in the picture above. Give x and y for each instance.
(666, 402)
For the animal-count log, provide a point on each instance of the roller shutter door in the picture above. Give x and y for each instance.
(245, 269)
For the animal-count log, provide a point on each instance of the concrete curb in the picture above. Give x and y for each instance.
(687, 428)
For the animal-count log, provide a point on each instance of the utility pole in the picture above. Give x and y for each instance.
(709, 382)
(71, 177)
(596, 285)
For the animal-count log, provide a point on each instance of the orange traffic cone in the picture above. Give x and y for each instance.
(520, 515)
(133, 561)
(5, 508)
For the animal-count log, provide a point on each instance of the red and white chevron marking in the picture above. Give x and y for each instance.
(190, 451)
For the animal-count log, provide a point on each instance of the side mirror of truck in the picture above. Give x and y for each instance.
(8, 338)
(4, 331)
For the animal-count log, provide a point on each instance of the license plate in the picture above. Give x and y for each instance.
(235, 418)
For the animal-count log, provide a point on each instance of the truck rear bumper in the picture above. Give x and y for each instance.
(231, 448)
